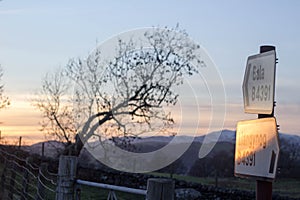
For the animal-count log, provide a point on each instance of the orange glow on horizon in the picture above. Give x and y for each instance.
(22, 119)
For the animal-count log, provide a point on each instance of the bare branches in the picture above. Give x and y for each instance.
(124, 96)
(4, 101)
(53, 102)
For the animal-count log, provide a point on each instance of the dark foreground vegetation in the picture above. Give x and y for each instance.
(217, 183)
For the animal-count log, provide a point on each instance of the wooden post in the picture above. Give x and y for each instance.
(160, 189)
(20, 142)
(43, 150)
(41, 181)
(264, 188)
(78, 192)
(66, 178)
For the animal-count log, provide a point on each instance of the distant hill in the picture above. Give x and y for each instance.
(225, 144)
(51, 148)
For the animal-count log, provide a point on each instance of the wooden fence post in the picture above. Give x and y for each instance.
(78, 192)
(66, 178)
(160, 189)
(20, 142)
(43, 150)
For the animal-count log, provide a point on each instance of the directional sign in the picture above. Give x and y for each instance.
(257, 148)
(259, 81)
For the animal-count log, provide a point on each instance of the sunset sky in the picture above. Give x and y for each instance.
(39, 36)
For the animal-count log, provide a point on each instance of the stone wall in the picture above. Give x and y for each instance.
(139, 181)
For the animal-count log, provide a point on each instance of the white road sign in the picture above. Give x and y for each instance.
(259, 82)
(257, 148)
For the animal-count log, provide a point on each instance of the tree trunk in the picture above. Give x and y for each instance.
(78, 145)
(73, 149)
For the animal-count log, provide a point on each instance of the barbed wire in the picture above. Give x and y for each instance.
(45, 186)
(39, 195)
(16, 191)
(17, 186)
(20, 167)
(20, 159)
(46, 178)
(52, 174)
(12, 155)
(33, 168)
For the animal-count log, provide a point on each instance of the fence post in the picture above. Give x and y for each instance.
(78, 192)
(160, 189)
(43, 150)
(41, 181)
(66, 178)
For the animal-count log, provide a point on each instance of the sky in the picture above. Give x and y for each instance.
(39, 36)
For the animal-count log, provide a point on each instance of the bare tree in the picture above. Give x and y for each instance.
(4, 100)
(125, 96)
(54, 102)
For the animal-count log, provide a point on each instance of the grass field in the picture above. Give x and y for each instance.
(284, 187)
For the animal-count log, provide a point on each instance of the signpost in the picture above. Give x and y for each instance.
(259, 81)
(257, 148)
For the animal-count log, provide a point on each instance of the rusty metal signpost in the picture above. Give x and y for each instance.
(257, 145)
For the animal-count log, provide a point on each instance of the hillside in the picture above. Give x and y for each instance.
(224, 150)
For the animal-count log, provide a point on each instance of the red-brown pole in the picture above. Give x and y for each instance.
(264, 188)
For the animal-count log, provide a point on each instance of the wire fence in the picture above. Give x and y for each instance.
(21, 178)
(24, 180)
